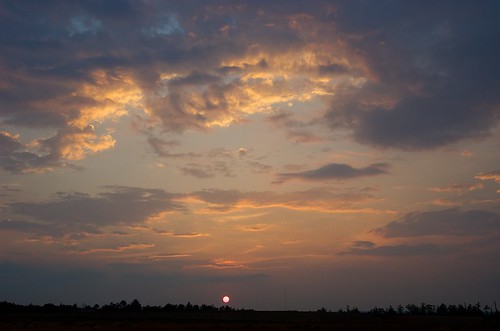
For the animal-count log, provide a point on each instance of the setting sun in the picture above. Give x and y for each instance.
(225, 299)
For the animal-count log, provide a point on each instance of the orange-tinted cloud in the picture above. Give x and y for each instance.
(492, 175)
(320, 199)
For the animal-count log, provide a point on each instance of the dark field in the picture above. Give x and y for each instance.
(240, 320)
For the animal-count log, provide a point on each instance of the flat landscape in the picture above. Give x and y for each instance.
(240, 320)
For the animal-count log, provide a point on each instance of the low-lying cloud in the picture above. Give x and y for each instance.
(79, 212)
(337, 171)
(447, 222)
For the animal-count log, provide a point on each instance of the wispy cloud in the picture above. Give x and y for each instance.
(458, 188)
(321, 199)
(122, 248)
(491, 175)
(181, 235)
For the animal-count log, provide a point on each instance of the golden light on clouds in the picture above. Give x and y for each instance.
(112, 93)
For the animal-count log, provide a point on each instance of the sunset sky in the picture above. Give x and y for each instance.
(289, 154)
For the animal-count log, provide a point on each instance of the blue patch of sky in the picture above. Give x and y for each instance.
(83, 24)
(165, 26)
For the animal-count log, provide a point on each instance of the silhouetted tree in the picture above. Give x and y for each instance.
(401, 310)
(135, 305)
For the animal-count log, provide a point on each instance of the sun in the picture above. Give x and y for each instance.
(225, 299)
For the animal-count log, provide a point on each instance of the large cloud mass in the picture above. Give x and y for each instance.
(395, 74)
(433, 78)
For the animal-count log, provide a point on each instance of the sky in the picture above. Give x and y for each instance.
(288, 154)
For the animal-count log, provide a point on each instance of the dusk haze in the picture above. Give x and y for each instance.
(267, 155)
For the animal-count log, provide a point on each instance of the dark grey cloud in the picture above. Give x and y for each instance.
(338, 171)
(395, 251)
(332, 69)
(10, 188)
(16, 159)
(196, 172)
(432, 72)
(363, 244)
(31, 228)
(207, 171)
(160, 148)
(259, 167)
(70, 212)
(298, 131)
(447, 222)
(221, 152)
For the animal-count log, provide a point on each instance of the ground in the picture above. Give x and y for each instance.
(240, 320)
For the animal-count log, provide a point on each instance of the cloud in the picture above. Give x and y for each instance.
(447, 222)
(31, 227)
(298, 131)
(74, 108)
(221, 153)
(445, 202)
(181, 235)
(79, 212)
(429, 80)
(363, 244)
(207, 171)
(419, 83)
(160, 145)
(255, 228)
(185, 67)
(221, 263)
(9, 189)
(259, 167)
(15, 157)
(457, 188)
(196, 172)
(122, 248)
(319, 199)
(336, 171)
(242, 151)
(394, 251)
(492, 175)
(76, 144)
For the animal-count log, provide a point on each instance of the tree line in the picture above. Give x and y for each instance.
(136, 306)
(122, 306)
(441, 310)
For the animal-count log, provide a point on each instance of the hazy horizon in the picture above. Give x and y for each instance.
(291, 155)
